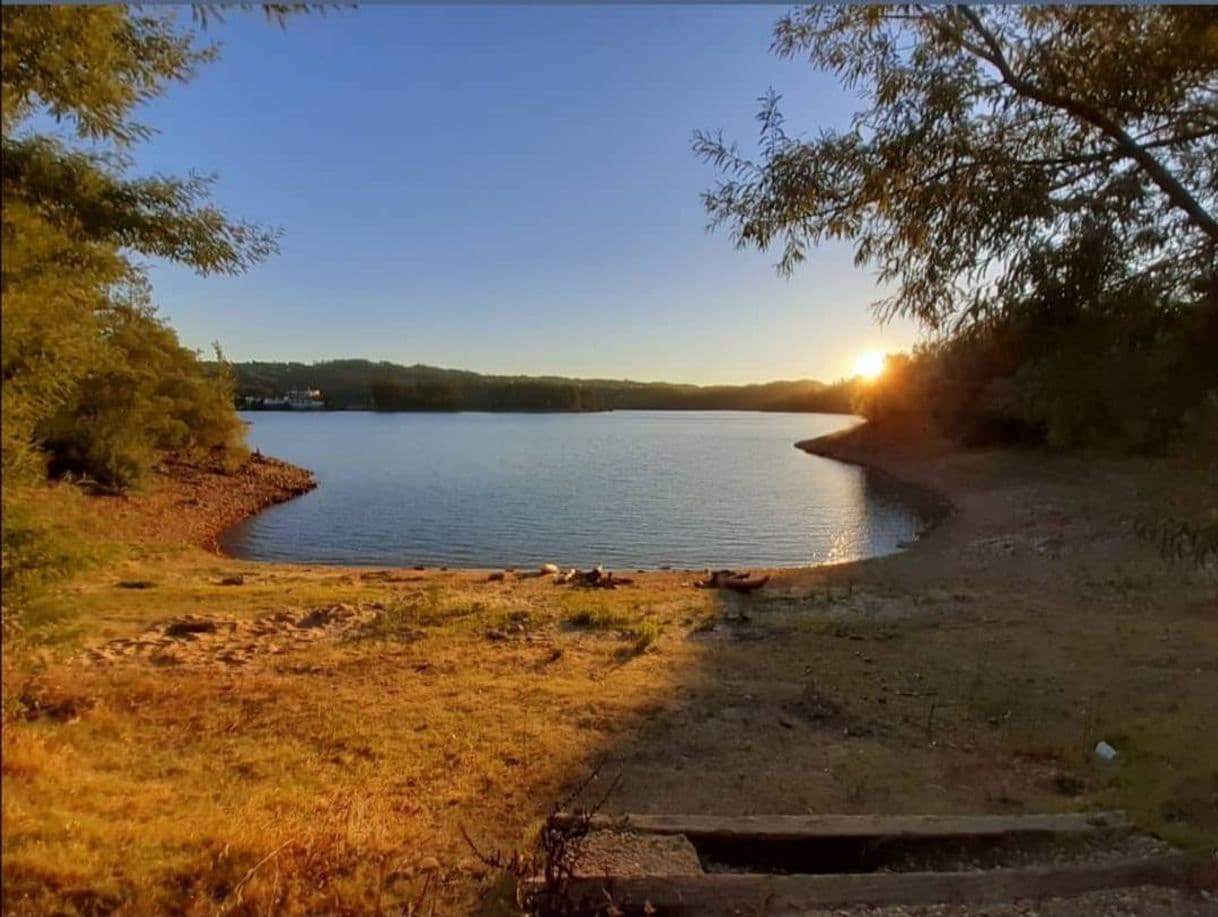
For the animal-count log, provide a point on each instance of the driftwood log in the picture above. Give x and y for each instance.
(598, 578)
(730, 579)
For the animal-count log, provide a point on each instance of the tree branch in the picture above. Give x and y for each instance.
(1159, 174)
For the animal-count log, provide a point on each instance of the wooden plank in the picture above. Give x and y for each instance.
(761, 828)
(745, 894)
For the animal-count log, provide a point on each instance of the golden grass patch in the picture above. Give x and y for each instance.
(316, 779)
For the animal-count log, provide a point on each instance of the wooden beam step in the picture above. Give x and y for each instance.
(773, 895)
(762, 828)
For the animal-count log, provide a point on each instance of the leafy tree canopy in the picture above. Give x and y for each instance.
(1038, 185)
(74, 220)
(991, 145)
(94, 383)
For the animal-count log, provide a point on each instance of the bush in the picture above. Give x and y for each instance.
(1097, 380)
(36, 553)
(152, 397)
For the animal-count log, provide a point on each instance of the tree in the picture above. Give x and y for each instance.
(72, 218)
(1039, 184)
(93, 382)
(987, 139)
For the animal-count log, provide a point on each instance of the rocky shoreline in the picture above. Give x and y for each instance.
(195, 504)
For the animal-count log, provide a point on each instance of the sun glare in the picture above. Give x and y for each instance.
(869, 365)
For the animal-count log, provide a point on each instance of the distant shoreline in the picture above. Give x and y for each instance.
(341, 384)
(667, 410)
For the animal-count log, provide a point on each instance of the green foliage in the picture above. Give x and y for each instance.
(94, 383)
(86, 196)
(391, 395)
(92, 65)
(629, 622)
(604, 617)
(1039, 186)
(1133, 379)
(39, 549)
(898, 397)
(989, 139)
(645, 634)
(153, 398)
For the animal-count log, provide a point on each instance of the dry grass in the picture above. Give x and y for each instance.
(347, 764)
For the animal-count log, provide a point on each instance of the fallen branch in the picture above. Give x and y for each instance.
(556, 855)
(730, 579)
(239, 888)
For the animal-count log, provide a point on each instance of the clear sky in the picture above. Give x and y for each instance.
(504, 189)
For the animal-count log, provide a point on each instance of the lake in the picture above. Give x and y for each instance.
(627, 489)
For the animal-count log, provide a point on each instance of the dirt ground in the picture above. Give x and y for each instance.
(196, 734)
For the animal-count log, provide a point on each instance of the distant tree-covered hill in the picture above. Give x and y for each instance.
(354, 384)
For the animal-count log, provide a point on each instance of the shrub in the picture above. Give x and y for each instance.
(37, 552)
(152, 397)
(1099, 379)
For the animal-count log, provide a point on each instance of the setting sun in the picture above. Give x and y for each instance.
(869, 365)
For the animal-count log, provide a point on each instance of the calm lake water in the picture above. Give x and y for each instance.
(627, 489)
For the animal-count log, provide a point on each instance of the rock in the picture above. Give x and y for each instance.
(549, 568)
(237, 580)
(318, 617)
(188, 627)
(496, 577)
(1105, 752)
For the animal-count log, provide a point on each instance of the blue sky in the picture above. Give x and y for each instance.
(504, 189)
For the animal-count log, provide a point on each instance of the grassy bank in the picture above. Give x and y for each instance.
(192, 733)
